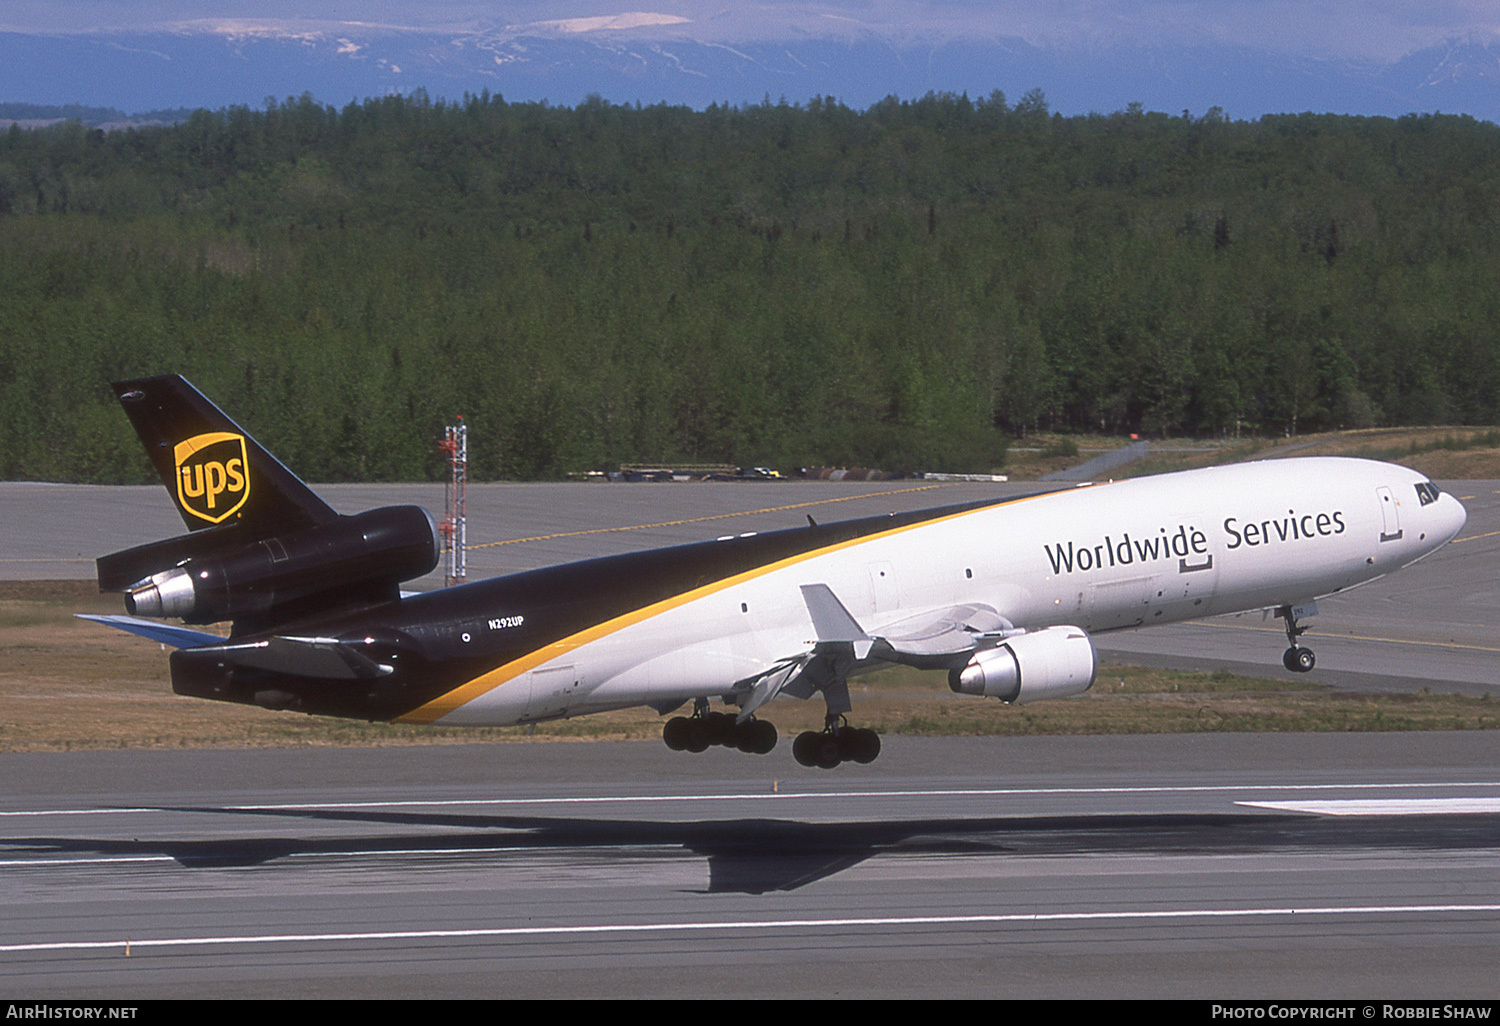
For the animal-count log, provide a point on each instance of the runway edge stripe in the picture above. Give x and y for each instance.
(774, 924)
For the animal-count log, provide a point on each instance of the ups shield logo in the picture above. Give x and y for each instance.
(213, 481)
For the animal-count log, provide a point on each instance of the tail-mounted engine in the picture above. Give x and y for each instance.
(212, 576)
(1051, 663)
(262, 549)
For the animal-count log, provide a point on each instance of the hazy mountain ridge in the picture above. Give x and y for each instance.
(234, 64)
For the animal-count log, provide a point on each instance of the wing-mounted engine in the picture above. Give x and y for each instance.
(1051, 663)
(353, 559)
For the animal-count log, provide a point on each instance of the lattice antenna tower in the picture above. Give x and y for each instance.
(454, 528)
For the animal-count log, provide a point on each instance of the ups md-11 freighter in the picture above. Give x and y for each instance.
(1001, 594)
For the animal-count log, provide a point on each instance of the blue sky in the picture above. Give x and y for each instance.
(1369, 30)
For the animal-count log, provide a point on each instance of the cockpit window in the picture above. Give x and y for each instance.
(1427, 492)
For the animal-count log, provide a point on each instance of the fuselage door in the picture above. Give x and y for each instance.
(1122, 603)
(883, 586)
(552, 692)
(1390, 515)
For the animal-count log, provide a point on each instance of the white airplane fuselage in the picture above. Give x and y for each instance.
(1103, 557)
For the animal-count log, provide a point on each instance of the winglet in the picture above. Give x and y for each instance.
(832, 622)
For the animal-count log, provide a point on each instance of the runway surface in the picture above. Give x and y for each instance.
(1214, 866)
(1431, 625)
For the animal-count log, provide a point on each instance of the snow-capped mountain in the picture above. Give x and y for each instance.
(655, 58)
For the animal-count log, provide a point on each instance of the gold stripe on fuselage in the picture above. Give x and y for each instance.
(487, 682)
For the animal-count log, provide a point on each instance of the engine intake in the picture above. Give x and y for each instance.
(1051, 663)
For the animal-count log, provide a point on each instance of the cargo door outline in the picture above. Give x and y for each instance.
(553, 690)
(1191, 589)
(1122, 603)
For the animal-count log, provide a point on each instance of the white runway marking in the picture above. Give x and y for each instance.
(103, 860)
(1184, 915)
(1386, 806)
(74, 812)
(762, 796)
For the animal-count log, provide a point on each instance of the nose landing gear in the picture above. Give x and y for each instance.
(1296, 658)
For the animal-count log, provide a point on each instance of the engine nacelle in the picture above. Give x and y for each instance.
(1051, 663)
(352, 555)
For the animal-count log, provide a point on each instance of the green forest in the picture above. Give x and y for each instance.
(909, 286)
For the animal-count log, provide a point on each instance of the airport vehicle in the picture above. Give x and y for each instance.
(1002, 595)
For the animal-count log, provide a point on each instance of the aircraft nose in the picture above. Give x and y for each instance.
(1454, 516)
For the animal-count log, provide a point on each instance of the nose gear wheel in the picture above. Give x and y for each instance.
(1297, 658)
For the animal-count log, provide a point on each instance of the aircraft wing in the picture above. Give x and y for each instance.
(943, 638)
(938, 637)
(767, 685)
(932, 639)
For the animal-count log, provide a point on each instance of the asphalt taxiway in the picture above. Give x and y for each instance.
(1215, 866)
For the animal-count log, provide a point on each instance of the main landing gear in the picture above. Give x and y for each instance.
(836, 743)
(1297, 658)
(698, 732)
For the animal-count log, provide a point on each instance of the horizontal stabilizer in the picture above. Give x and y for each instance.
(326, 658)
(166, 633)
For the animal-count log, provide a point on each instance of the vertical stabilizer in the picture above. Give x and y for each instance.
(216, 474)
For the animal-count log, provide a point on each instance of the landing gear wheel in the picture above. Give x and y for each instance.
(1295, 658)
(739, 737)
(753, 737)
(698, 737)
(675, 733)
(702, 730)
(805, 748)
(760, 737)
(1299, 660)
(828, 752)
(831, 746)
(719, 728)
(860, 744)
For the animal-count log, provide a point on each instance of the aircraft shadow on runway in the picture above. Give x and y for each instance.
(756, 856)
